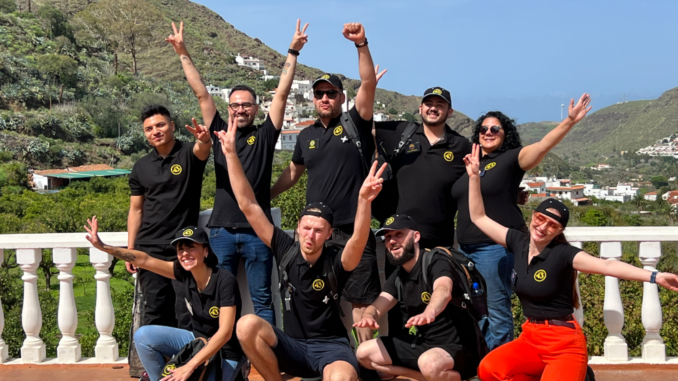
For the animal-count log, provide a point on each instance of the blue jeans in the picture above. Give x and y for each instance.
(495, 264)
(155, 341)
(232, 244)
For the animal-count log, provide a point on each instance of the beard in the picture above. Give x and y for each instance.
(407, 255)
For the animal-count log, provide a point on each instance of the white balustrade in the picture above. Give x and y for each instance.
(69, 350)
(4, 351)
(613, 310)
(106, 349)
(654, 349)
(33, 350)
(579, 311)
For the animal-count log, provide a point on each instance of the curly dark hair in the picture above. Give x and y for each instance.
(511, 135)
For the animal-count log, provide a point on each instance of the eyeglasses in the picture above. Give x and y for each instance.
(495, 129)
(331, 94)
(552, 226)
(235, 106)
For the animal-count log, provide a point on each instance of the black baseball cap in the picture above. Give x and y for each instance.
(191, 233)
(397, 222)
(552, 203)
(331, 79)
(318, 209)
(438, 91)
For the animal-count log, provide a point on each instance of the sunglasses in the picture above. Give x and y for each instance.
(331, 94)
(495, 129)
(552, 226)
(236, 106)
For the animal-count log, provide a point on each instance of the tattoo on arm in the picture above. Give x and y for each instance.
(187, 59)
(124, 254)
(287, 64)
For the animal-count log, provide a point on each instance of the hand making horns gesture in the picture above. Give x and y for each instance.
(372, 184)
(201, 132)
(472, 161)
(355, 32)
(227, 138)
(578, 112)
(177, 39)
(300, 37)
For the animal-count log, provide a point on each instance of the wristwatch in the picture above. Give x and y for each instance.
(653, 277)
(362, 44)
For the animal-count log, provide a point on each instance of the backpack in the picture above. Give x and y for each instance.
(287, 288)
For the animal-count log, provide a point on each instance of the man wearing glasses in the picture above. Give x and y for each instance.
(231, 236)
(336, 169)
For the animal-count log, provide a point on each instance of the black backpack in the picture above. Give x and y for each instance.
(287, 288)
(185, 355)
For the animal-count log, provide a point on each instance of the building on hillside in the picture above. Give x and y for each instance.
(567, 193)
(537, 187)
(379, 117)
(287, 140)
(58, 178)
(600, 167)
(538, 196)
(250, 62)
(670, 195)
(219, 92)
(650, 196)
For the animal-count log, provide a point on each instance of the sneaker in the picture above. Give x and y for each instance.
(144, 377)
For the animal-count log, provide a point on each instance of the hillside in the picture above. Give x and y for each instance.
(533, 132)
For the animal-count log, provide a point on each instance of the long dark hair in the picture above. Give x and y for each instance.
(511, 135)
(560, 239)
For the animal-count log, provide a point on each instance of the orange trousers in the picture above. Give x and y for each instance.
(542, 352)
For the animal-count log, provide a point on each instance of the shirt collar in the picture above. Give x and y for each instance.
(449, 133)
(493, 154)
(333, 121)
(177, 146)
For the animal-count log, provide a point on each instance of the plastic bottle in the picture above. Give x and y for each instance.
(476, 289)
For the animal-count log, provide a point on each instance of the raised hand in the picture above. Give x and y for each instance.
(668, 281)
(300, 37)
(227, 138)
(578, 112)
(200, 131)
(472, 161)
(423, 318)
(378, 74)
(355, 32)
(373, 183)
(177, 39)
(367, 322)
(93, 230)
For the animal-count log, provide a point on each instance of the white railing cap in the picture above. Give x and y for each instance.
(621, 233)
(53, 240)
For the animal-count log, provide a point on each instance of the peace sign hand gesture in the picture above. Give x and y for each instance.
(472, 161)
(177, 39)
(355, 32)
(372, 184)
(578, 112)
(378, 74)
(201, 132)
(227, 138)
(300, 37)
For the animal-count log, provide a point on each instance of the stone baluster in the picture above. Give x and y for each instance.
(654, 349)
(106, 349)
(33, 350)
(4, 355)
(578, 312)
(68, 350)
(613, 310)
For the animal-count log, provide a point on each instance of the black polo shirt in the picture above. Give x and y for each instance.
(451, 326)
(335, 168)
(255, 146)
(171, 188)
(221, 291)
(499, 183)
(545, 285)
(313, 314)
(425, 174)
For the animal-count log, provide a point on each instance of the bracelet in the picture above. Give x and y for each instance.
(201, 142)
(653, 277)
(293, 52)
(362, 44)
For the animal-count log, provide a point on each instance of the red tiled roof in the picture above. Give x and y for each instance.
(291, 131)
(305, 123)
(576, 187)
(534, 185)
(50, 172)
(539, 195)
(582, 199)
(87, 168)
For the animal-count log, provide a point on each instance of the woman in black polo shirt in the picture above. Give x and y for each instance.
(213, 300)
(552, 345)
(504, 161)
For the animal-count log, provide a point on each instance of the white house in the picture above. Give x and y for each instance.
(379, 117)
(250, 62)
(219, 92)
(538, 187)
(567, 193)
(650, 196)
(287, 140)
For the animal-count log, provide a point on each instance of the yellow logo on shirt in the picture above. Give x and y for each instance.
(318, 284)
(311, 144)
(425, 297)
(437, 91)
(490, 166)
(251, 140)
(540, 275)
(338, 130)
(188, 233)
(214, 312)
(449, 156)
(176, 169)
(166, 371)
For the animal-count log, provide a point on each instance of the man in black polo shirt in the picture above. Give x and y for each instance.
(165, 187)
(336, 167)
(315, 342)
(441, 343)
(231, 236)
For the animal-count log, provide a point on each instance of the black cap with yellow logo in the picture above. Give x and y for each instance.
(397, 222)
(438, 91)
(331, 79)
(191, 233)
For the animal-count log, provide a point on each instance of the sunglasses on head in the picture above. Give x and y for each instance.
(541, 219)
(495, 129)
(319, 94)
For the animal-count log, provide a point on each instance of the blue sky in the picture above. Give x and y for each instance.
(523, 57)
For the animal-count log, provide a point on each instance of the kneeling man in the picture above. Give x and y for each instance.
(441, 344)
(315, 342)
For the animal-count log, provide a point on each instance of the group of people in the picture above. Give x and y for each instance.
(415, 178)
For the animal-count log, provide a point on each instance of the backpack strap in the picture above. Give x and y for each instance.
(331, 275)
(399, 288)
(405, 137)
(354, 138)
(286, 288)
(468, 276)
(426, 258)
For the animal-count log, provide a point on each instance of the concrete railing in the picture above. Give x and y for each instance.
(29, 255)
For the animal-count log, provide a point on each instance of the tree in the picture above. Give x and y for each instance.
(639, 201)
(55, 22)
(659, 181)
(409, 117)
(594, 217)
(393, 111)
(7, 6)
(60, 70)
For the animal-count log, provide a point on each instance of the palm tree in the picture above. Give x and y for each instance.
(639, 201)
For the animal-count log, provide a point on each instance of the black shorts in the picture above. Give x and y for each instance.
(363, 285)
(400, 350)
(308, 358)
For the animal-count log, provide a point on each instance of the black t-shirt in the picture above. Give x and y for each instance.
(451, 326)
(313, 315)
(425, 175)
(499, 184)
(221, 291)
(545, 285)
(255, 146)
(336, 170)
(171, 188)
